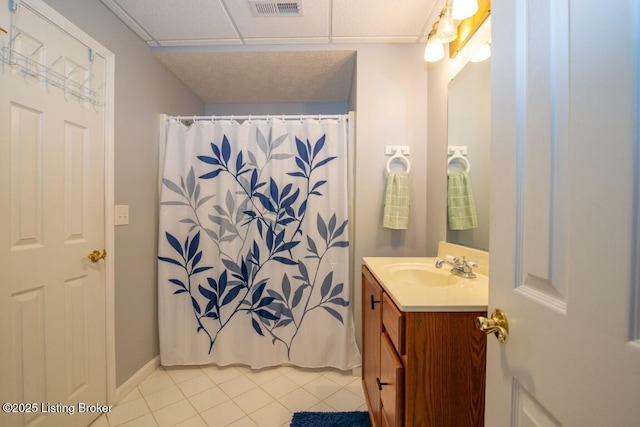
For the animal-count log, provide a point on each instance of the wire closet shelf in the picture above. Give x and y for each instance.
(26, 55)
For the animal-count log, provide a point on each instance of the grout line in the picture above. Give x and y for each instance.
(247, 374)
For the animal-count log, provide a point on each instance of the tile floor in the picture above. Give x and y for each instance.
(234, 396)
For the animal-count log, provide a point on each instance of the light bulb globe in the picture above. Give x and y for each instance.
(463, 9)
(447, 30)
(434, 51)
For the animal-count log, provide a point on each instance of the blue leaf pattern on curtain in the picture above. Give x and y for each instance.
(254, 240)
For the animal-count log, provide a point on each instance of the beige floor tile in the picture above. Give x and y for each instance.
(279, 386)
(101, 421)
(355, 387)
(158, 371)
(272, 415)
(143, 421)
(208, 399)
(156, 383)
(262, 376)
(183, 373)
(174, 413)
(164, 397)
(121, 414)
(321, 407)
(302, 376)
(196, 421)
(133, 395)
(223, 414)
(244, 422)
(223, 396)
(299, 400)
(253, 399)
(196, 385)
(221, 374)
(237, 386)
(342, 378)
(344, 400)
(322, 387)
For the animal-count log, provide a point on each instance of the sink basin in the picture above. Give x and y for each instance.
(418, 274)
(415, 284)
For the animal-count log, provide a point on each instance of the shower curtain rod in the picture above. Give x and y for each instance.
(262, 117)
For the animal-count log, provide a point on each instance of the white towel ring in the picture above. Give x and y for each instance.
(402, 158)
(459, 159)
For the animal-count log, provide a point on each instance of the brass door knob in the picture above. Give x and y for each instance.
(498, 324)
(96, 256)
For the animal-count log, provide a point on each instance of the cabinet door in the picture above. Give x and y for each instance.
(391, 383)
(371, 330)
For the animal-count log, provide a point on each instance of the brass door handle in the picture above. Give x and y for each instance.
(498, 324)
(96, 256)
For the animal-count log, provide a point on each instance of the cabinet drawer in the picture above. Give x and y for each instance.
(391, 384)
(393, 321)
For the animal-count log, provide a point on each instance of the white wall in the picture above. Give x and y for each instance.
(437, 153)
(391, 109)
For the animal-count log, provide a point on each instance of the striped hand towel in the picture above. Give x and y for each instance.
(396, 201)
(461, 207)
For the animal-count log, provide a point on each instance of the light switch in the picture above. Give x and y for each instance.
(122, 214)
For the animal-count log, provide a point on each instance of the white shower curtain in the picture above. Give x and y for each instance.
(253, 244)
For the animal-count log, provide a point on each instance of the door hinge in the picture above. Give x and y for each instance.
(92, 55)
(13, 5)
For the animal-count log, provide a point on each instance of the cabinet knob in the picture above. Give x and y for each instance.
(373, 302)
(380, 384)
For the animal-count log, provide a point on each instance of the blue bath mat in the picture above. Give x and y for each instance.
(330, 419)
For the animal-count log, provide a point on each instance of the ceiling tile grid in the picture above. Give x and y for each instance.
(175, 23)
(213, 45)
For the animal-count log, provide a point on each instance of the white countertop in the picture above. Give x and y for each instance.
(411, 294)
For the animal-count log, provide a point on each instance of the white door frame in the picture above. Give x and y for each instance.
(109, 103)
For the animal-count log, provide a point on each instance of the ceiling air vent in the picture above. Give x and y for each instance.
(275, 8)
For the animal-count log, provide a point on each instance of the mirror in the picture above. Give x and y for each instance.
(469, 125)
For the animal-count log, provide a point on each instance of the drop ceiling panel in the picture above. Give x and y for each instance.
(230, 22)
(314, 22)
(223, 71)
(381, 20)
(181, 20)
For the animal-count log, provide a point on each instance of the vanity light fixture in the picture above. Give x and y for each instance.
(434, 51)
(447, 29)
(469, 15)
(463, 9)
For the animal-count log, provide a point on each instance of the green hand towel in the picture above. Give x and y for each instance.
(396, 201)
(461, 207)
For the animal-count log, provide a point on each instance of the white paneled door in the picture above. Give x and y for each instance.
(565, 219)
(52, 297)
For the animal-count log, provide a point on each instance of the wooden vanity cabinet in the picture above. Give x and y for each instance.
(371, 332)
(420, 368)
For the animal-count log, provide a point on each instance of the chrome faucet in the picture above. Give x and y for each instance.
(460, 268)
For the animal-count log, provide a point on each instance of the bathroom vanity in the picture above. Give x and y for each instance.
(423, 358)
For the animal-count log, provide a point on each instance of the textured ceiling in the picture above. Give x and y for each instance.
(264, 77)
(207, 44)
